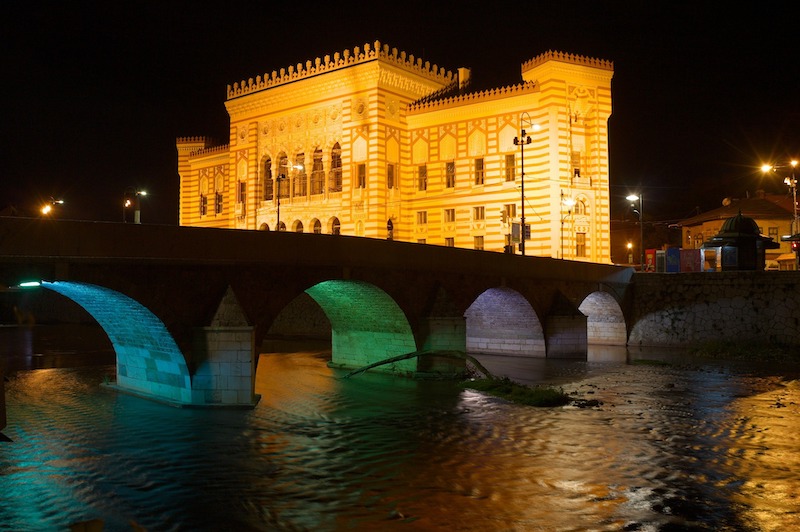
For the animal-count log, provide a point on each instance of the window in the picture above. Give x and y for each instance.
(422, 217)
(511, 167)
(241, 192)
(478, 213)
(450, 242)
(336, 227)
(422, 241)
(580, 207)
(203, 205)
(450, 174)
(422, 177)
(390, 175)
(509, 212)
(478, 243)
(361, 175)
(317, 227)
(299, 170)
(773, 233)
(389, 230)
(449, 215)
(575, 160)
(479, 171)
(267, 193)
(218, 202)
(317, 173)
(336, 169)
(580, 244)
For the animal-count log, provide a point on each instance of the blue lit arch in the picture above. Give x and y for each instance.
(149, 361)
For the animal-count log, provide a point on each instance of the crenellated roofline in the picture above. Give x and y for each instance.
(427, 104)
(553, 55)
(341, 60)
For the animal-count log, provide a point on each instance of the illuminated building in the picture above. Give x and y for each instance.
(374, 142)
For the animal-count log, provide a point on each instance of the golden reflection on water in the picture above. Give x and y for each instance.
(765, 454)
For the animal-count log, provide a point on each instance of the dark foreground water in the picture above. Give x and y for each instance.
(685, 446)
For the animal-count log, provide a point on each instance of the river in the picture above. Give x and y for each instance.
(674, 443)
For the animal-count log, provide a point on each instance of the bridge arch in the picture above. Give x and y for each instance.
(605, 322)
(367, 325)
(502, 321)
(149, 361)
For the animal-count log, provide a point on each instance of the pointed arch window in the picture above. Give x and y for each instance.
(299, 188)
(317, 173)
(336, 169)
(268, 189)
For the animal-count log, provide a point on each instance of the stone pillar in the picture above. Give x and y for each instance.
(443, 334)
(225, 355)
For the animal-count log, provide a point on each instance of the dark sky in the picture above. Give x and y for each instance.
(96, 93)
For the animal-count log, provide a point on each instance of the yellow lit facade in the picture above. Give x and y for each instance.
(374, 142)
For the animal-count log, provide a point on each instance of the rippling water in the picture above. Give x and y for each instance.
(670, 447)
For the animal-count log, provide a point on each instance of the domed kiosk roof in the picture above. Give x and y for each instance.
(739, 226)
(740, 229)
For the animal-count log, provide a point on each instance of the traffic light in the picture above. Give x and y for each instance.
(795, 246)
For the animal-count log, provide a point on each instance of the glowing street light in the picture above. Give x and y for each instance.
(47, 208)
(640, 212)
(791, 182)
(132, 197)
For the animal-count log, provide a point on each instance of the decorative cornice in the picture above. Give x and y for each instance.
(552, 55)
(342, 60)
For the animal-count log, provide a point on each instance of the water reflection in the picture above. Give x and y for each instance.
(705, 446)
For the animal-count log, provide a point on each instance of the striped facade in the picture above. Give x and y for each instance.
(373, 142)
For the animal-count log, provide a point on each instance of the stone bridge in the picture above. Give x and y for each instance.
(186, 309)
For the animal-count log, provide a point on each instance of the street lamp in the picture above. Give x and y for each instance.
(130, 197)
(47, 208)
(640, 212)
(521, 141)
(630, 252)
(791, 182)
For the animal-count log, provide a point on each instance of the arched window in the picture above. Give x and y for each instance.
(580, 207)
(335, 226)
(317, 173)
(203, 196)
(263, 227)
(281, 226)
(267, 180)
(335, 180)
(298, 226)
(299, 172)
(316, 226)
(389, 230)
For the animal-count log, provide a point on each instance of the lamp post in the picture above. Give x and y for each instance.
(131, 196)
(521, 141)
(568, 203)
(278, 180)
(640, 212)
(791, 182)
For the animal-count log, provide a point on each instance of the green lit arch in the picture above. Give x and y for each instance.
(367, 325)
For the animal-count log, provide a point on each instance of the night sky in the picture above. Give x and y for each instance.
(96, 93)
